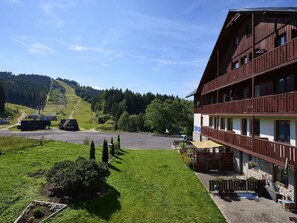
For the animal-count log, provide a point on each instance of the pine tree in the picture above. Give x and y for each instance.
(92, 150)
(2, 99)
(105, 152)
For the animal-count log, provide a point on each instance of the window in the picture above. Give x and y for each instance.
(294, 33)
(244, 60)
(250, 56)
(285, 84)
(210, 121)
(249, 29)
(230, 124)
(236, 40)
(282, 176)
(257, 127)
(257, 90)
(215, 123)
(222, 123)
(235, 65)
(282, 133)
(245, 93)
(280, 40)
(244, 126)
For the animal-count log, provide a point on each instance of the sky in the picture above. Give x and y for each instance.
(158, 46)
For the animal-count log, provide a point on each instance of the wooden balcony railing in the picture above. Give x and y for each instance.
(269, 60)
(280, 103)
(274, 152)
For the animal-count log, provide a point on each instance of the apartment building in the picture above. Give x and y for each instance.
(247, 97)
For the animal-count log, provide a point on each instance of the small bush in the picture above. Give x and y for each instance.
(38, 213)
(186, 159)
(78, 176)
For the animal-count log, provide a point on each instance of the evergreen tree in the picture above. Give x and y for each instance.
(2, 99)
(105, 152)
(92, 150)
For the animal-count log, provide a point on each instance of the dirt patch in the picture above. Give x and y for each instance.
(39, 211)
(57, 195)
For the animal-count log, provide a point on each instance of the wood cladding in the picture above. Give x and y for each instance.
(274, 152)
(273, 59)
(267, 29)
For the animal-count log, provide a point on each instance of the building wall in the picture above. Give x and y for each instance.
(197, 126)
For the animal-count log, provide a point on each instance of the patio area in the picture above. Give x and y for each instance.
(236, 208)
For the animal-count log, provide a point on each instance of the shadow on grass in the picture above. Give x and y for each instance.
(113, 167)
(122, 152)
(102, 207)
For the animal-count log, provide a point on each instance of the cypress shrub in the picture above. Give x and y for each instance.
(92, 151)
(105, 152)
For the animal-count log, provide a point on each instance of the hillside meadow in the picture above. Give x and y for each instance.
(144, 185)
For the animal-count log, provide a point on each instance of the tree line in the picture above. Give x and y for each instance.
(28, 90)
(144, 112)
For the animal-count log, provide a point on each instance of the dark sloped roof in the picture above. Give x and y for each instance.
(266, 9)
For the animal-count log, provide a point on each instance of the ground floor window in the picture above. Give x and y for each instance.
(282, 175)
(282, 132)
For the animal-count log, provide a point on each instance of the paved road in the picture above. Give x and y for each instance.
(128, 140)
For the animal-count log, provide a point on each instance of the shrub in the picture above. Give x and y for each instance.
(38, 213)
(78, 176)
(105, 152)
(92, 150)
(186, 159)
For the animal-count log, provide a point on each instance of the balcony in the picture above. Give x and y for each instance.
(267, 61)
(274, 152)
(285, 104)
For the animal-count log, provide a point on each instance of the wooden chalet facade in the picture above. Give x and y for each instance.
(247, 96)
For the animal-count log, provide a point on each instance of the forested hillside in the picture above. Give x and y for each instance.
(86, 93)
(114, 108)
(29, 90)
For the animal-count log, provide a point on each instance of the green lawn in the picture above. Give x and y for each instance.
(145, 186)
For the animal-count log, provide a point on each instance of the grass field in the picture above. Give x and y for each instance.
(145, 186)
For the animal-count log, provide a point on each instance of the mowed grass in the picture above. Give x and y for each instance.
(145, 186)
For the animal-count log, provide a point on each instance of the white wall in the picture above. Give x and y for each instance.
(267, 128)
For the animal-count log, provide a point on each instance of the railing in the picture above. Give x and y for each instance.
(280, 103)
(230, 186)
(269, 60)
(271, 151)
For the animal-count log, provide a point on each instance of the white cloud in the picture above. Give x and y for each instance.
(102, 51)
(40, 49)
(51, 9)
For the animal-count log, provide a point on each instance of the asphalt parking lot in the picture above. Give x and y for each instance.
(128, 140)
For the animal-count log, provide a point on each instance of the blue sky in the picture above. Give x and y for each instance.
(158, 46)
